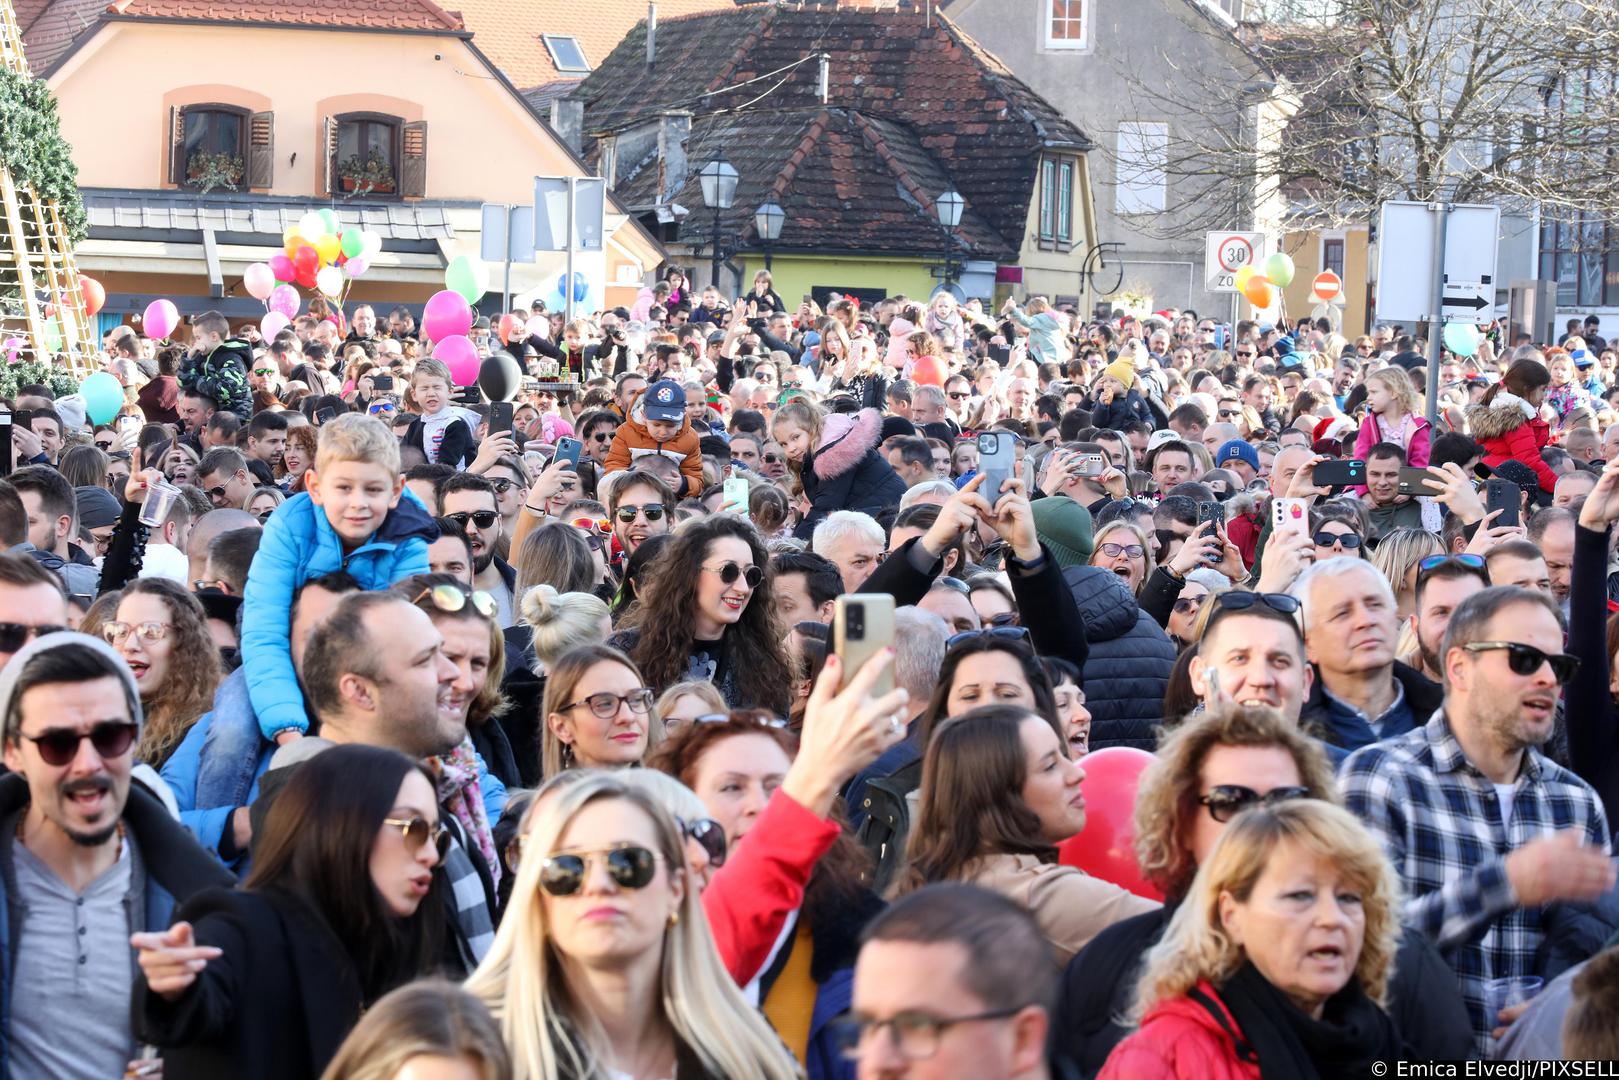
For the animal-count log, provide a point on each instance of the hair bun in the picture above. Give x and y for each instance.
(539, 604)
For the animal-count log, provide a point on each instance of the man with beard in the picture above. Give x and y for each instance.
(88, 858)
(641, 506)
(1440, 591)
(470, 501)
(1482, 828)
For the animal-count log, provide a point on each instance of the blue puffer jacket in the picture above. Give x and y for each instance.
(1130, 659)
(299, 545)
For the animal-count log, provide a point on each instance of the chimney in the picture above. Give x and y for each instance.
(651, 34)
(568, 121)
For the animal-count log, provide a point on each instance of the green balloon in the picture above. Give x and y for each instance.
(353, 243)
(329, 216)
(1279, 268)
(468, 276)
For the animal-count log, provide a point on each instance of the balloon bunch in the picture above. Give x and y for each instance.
(318, 254)
(1262, 289)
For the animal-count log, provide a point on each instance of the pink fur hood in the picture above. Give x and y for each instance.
(845, 441)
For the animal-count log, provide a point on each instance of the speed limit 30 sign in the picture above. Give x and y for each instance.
(1228, 252)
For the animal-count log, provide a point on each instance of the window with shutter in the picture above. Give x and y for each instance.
(261, 150)
(329, 153)
(1065, 200)
(177, 145)
(367, 155)
(413, 181)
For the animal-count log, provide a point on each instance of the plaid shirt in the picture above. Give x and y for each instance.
(1441, 822)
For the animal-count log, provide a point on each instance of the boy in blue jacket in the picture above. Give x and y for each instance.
(356, 516)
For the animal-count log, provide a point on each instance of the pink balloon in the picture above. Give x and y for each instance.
(284, 299)
(281, 269)
(460, 355)
(538, 326)
(259, 280)
(272, 324)
(357, 266)
(160, 319)
(447, 315)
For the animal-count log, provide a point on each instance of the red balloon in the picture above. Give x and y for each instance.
(510, 326)
(307, 259)
(95, 297)
(1106, 847)
(306, 278)
(929, 371)
(282, 268)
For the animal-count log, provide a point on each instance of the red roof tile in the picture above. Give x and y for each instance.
(363, 14)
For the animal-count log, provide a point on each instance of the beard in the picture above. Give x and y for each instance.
(95, 837)
(480, 563)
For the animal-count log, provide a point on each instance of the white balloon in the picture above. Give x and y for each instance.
(329, 280)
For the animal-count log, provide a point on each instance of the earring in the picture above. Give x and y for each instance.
(567, 755)
(674, 917)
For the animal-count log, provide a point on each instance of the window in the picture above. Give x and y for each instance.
(367, 154)
(1048, 196)
(1057, 200)
(1332, 256)
(565, 52)
(212, 147)
(1065, 200)
(1065, 24)
(1582, 256)
(1140, 181)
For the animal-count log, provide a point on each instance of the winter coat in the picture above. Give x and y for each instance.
(300, 545)
(1121, 412)
(456, 447)
(633, 441)
(1417, 441)
(1181, 1039)
(1511, 428)
(1127, 669)
(1071, 906)
(845, 471)
(221, 376)
(1048, 336)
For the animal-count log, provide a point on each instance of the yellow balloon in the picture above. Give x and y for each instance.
(328, 248)
(1244, 275)
(291, 241)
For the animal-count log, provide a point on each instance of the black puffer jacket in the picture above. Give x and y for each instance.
(1127, 670)
(845, 472)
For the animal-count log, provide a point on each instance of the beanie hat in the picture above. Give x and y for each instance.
(96, 507)
(1237, 450)
(12, 672)
(1124, 370)
(71, 408)
(1064, 527)
(895, 425)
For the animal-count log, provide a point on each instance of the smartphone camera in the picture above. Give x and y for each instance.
(854, 622)
(986, 444)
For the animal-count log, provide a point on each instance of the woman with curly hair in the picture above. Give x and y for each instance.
(162, 634)
(706, 613)
(299, 456)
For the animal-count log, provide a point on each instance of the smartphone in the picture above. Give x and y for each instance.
(5, 444)
(325, 416)
(997, 451)
(862, 626)
(129, 423)
(1289, 516)
(567, 449)
(1415, 481)
(382, 384)
(1090, 465)
(469, 395)
(737, 490)
(1339, 473)
(1505, 496)
(500, 418)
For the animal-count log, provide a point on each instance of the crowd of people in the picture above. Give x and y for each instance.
(358, 726)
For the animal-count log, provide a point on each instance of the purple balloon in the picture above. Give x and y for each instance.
(284, 298)
(460, 355)
(447, 315)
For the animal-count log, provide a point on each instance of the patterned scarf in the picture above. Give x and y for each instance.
(460, 794)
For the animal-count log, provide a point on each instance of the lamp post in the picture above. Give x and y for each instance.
(767, 221)
(718, 179)
(948, 207)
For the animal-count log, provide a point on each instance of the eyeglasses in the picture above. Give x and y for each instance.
(1433, 562)
(629, 865)
(501, 486)
(1113, 551)
(626, 514)
(730, 571)
(453, 598)
(59, 746)
(602, 436)
(710, 836)
(14, 636)
(592, 525)
(417, 831)
(1185, 605)
(1242, 601)
(1526, 659)
(1347, 541)
(380, 406)
(993, 633)
(760, 718)
(1226, 801)
(482, 519)
(605, 705)
(914, 1035)
(148, 632)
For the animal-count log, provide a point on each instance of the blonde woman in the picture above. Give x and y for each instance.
(1123, 548)
(682, 704)
(429, 1028)
(1397, 555)
(1281, 951)
(641, 995)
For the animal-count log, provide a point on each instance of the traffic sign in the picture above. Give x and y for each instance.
(1408, 257)
(1228, 252)
(1327, 286)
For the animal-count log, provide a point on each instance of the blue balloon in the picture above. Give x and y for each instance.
(103, 397)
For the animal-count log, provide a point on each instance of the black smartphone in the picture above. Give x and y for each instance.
(469, 395)
(5, 444)
(325, 416)
(1339, 473)
(1505, 496)
(1414, 481)
(382, 384)
(568, 450)
(500, 417)
(1210, 519)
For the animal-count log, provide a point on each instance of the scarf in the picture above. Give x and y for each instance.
(1290, 1045)
(460, 794)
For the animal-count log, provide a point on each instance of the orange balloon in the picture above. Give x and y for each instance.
(291, 241)
(1259, 292)
(95, 297)
(929, 371)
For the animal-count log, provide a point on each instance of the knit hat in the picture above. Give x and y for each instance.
(1064, 527)
(96, 506)
(895, 425)
(71, 408)
(1124, 370)
(45, 643)
(1237, 450)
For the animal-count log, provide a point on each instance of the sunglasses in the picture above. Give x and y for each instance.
(630, 866)
(959, 395)
(1228, 413)
(1348, 541)
(992, 633)
(605, 704)
(501, 486)
(59, 746)
(653, 512)
(14, 636)
(418, 832)
(1226, 801)
(380, 407)
(453, 598)
(1242, 601)
(265, 371)
(730, 571)
(710, 836)
(1245, 355)
(1113, 551)
(1433, 562)
(760, 718)
(771, 459)
(1526, 659)
(592, 525)
(215, 493)
(1187, 605)
(148, 632)
(482, 519)
(602, 436)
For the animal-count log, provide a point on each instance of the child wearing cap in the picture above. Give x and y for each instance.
(657, 425)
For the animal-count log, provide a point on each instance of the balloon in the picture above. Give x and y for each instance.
(272, 324)
(281, 269)
(1106, 847)
(1461, 339)
(103, 397)
(446, 315)
(460, 355)
(328, 249)
(311, 227)
(1244, 275)
(284, 298)
(329, 280)
(357, 266)
(500, 377)
(95, 296)
(468, 276)
(306, 278)
(291, 241)
(1259, 292)
(373, 244)
(328, 219)
(307, 258)
(259, 279)
(160, 319)
(537, 326)
(1279, 268)
(352, 242)
(929, 371)
(510, 326)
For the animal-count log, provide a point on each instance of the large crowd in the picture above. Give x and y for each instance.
(360, 725)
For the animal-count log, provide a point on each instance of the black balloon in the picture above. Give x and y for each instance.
(500, 377)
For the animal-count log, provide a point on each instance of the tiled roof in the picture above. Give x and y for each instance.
(508, 31)
(55, 25)
(919, 108)
(540, 97)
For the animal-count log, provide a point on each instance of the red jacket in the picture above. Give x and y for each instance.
(1179, 1039)
(1510, 427)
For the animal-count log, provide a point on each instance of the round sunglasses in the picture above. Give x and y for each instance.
(730, 571)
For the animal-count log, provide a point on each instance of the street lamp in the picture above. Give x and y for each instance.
(718, 179)
(767, 221)
(948, 207)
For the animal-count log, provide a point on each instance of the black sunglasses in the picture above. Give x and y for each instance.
(1348, 541)
(653, 512)
(14, 636)
(1242, 601)
(1226, 801)
(483, 519)
(417, 832)
(501, 485)
(1526, 659)
(59, 746)
(1001, 633)
(710, 836)
(630, 866)
(730, 571)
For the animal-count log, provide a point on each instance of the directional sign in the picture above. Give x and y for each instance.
(1408, 263)
(1228, 252)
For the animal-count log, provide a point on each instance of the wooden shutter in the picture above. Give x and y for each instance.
(261, 150)
(413, 169)
(177, 145)
(329, 127)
